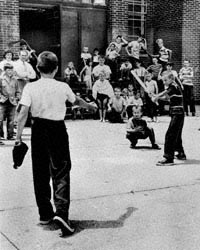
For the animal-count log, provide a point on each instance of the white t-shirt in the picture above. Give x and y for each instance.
(46, 97)
(97, 69)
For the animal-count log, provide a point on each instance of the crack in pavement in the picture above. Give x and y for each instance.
(112, 195)
(9, 241)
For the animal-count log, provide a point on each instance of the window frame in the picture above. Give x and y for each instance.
(136, 16)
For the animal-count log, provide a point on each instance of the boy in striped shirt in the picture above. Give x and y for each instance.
(186, 75)
(173, 137)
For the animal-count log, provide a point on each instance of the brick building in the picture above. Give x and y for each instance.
(65, 26)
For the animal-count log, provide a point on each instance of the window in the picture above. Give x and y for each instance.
(136, 18)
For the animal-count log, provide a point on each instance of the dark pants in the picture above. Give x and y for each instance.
(7, 111)
(188, 98)
(134, 136)
(173, 137)
(51, 159)
(114, 116)
(113, 66)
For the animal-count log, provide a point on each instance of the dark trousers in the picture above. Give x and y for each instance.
(114, 116)
(188, 98)
(7, 111)
(51, 159)
(135, 135)
(173, 137)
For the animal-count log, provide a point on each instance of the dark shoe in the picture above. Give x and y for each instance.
(65, 226)
(132, 145)
(181, 156)
(155, 146)
(45, 221)
(193, 114)
(165, 162)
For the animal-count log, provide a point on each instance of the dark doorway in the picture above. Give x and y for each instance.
(40, 27)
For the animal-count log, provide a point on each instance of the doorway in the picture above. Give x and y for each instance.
(40, 27)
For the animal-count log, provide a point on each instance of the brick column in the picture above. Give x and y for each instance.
(191, 39)
(117, 18)
(9, 23)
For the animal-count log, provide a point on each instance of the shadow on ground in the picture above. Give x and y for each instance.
(81, 225)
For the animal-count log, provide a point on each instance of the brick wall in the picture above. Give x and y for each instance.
(178, 24)
(164, 20)
(117, 18)
(9, 23)
(191, 39)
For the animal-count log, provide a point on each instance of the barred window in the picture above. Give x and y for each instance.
(137, 10)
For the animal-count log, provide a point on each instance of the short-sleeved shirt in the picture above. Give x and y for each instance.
(135, 49)
(97, 69)
(175, 96)
(47, 98)
(164, 54)
(186, 76)
(117, 103)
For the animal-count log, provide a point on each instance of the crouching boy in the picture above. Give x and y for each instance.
(137, 129)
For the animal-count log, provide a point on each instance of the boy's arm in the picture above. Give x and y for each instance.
(156, 87)
(83, 104)
(124, 41)
(84, 68)
(161, 96)
(127, 50)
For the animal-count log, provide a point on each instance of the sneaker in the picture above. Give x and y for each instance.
(65, 226)
(181, 156)
(155, 146)
(165, 162)
(46, 222)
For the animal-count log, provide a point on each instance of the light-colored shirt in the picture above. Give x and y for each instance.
(125, 66)
(3, 62)
(47, 98)
(9, 89)
(102, 87)
(24, 70)
(134, 102)
(164, 54)
(117, 103)
(135, 49)
(186, 76)
(111, 54)
(86, 55)
(152, 86)
(97, 69)
(140, 71)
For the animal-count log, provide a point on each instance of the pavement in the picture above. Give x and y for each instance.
(120, 199)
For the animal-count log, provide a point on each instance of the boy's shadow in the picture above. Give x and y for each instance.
(144, 147)
(95, 224)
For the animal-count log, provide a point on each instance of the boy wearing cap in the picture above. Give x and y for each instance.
(46, 99)
(9, 96)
